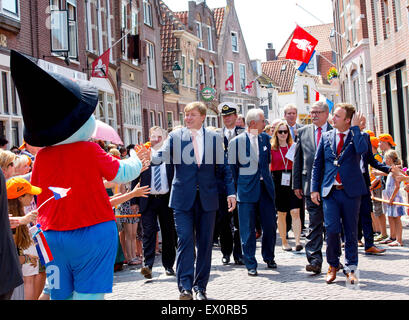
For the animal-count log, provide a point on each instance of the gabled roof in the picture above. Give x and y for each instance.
(320, 32)
(218, 14)
(171, 22)
(282, 72)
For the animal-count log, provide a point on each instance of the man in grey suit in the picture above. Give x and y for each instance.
(307, 142)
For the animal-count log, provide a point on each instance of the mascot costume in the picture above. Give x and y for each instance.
(80, 229)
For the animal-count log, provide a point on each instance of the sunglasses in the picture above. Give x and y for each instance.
(282, 131)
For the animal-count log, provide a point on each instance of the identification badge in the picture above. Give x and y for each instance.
(286, 179)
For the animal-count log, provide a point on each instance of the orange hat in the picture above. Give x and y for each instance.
(386, 137)
(17, 187)
(375, 142)
(371, 133)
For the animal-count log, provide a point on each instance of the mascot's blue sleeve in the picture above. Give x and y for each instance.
(129, 169)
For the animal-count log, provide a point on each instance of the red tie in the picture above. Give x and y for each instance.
(319, 135)
(339, 148)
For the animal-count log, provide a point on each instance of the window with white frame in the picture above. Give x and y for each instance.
(132, 117)
(192, 73)
(152, 118)
(170, 119)
(199, 33)
(147, 13)
(243, 78)
(88, 26)
(183, 73)
(5, 92)
(160, 120)
(181, 118)
(106, 110)
(398, 14)
(211, 120)
(124, 28)
(201, 73)
(11, 8)
(234, 41)
(212, 75)
(72, 28)
(209, 38)
(230, 71)
(151, 65)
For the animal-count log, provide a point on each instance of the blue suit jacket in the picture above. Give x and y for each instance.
(188, 177)
(324, 171)
(247, 168)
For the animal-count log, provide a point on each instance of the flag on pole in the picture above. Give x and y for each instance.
(43, 250)
(317, 96)
(302, 45)
(60, 192)
(304, 65)
(229, 84)
(100, 65)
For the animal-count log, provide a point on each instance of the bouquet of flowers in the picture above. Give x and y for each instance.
(332, 73)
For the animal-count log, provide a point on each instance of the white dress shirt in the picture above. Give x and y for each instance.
(228, 132)
(337, 138)
(324, 129)
(163, 178)
(200, 142)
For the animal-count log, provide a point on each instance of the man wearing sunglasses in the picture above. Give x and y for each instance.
(308, 139)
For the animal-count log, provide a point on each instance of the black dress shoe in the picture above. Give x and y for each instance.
(239, 262)
(313, 268)
(169, 272)
(226, 260)
(271, 264)
(147, 272)
(252, 272)
(200, 295)
(186, 295)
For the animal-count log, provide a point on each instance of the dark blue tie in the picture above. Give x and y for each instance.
(156, 178)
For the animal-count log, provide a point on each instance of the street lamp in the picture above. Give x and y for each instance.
(174, 86)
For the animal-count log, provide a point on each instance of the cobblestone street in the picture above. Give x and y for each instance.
(383, 277)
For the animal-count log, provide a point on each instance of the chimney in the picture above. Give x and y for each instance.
(270, 52)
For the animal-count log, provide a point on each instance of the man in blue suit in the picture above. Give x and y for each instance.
(337, 175)
(250, 156)
(195, 154)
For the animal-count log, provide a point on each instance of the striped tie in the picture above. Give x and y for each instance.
(157, 179)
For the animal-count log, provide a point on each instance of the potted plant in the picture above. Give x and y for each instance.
(333, 75)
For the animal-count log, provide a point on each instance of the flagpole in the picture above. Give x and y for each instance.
(45, 202)
(119, 40)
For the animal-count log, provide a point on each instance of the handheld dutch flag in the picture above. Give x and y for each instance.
(43, 250)
(60, 192)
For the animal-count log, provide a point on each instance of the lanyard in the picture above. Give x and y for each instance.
(284, 162)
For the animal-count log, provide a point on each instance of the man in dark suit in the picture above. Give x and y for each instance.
(307, 142)
(228, 230)
(337, 179)
(159, 179)
(250, 156)
(195, 154)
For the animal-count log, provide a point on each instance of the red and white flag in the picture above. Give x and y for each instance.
(249, 87)
(302, 46)
(229, 84)
(100, 66)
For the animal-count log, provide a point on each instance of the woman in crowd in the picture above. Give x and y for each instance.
(285, 200)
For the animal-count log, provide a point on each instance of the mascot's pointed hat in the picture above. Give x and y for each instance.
(54, 107)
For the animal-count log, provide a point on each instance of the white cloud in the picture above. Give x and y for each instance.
(264, 21)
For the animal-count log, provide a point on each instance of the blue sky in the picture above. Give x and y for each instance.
(264, 21)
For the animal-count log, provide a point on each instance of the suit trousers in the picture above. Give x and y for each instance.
(365, 221)
(315, 236)
(228, 225)
(158, 208)
(341, 212)
(268, 221)
(194, 226)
